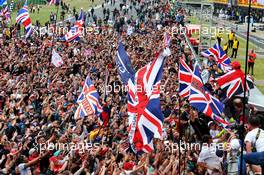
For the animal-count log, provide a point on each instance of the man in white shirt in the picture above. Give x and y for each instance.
(254, 141)
(208, 158)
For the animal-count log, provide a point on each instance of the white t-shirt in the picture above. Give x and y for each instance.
(213, 133)
(24, 170)
(209, 157)
(251, 137)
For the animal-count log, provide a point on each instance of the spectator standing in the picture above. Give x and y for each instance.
(254, 141)
(235, 48)
(92, 11)
(219, 37)
(231, 37)
(251, 61)
(225, 48)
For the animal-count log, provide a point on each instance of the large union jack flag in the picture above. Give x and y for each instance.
(233, 83)
(23, 18)
(127, 75)
(88, 100)
(145, 115)
(185, 79)
(76, 30)
(203, 101)
(222, 60)
(146, 104)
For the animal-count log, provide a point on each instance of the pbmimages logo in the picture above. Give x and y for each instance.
(185, 146)
(80, 146)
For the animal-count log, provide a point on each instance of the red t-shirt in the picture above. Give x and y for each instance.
(252, 57)
(57, 167)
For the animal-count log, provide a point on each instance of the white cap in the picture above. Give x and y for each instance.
(211, 122)
(235, 144)
(31, 151)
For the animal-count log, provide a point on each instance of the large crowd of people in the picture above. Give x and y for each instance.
(40, 135)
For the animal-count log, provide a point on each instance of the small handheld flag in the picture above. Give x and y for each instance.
(76, 30)
(89, 100)
(6, 13)
(56, 59)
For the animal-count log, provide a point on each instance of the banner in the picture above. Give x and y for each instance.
(243, 3)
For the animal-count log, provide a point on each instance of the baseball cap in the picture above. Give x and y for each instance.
(211, 122)
(235, 65)
(31, 151)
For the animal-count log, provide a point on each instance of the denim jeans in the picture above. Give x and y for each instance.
(254, 158)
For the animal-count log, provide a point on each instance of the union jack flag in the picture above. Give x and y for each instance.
(185, 79)
(127, 74)
(79, 113)
(203, 101)
(23, 18)
(6, 13)
(222, 60)
(145, 116)
(76, 30)
(144, 103)
(89, 100)
(233, 83)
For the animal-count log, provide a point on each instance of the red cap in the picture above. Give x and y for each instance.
(128, 166)
(235, 65)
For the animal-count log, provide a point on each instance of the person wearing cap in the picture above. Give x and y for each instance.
(235, 65)
(232, 156)
(235, 48)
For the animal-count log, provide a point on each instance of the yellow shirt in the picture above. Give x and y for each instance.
(7, 32)
(225, 47)
(231, 36)
(93, 134)
(235, 45)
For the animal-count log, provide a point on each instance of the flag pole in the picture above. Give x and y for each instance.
(245, 90)
(179, 141)
(179, 111)
(10, 15)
